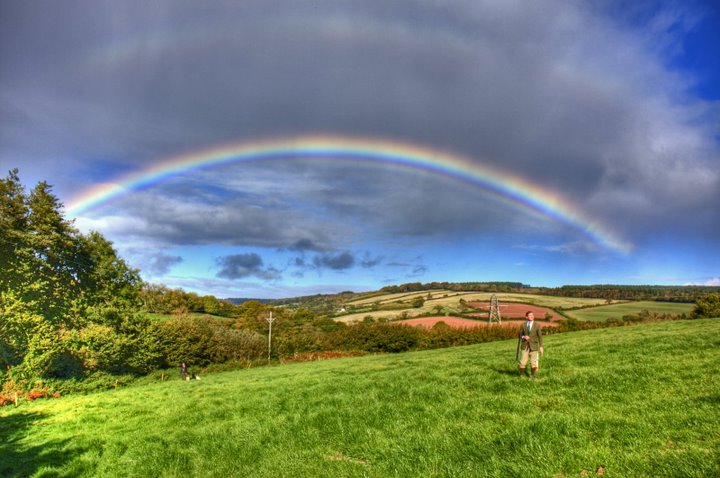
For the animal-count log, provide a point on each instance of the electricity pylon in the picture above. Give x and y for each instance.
(494, 313)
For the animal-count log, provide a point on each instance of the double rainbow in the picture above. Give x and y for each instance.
(512, 188)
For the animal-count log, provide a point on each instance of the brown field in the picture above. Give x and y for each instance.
(515, 311)
(428, 322)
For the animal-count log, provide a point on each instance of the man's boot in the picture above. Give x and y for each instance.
(521, 371)
(533, 371)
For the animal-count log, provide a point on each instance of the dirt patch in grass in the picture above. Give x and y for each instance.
(513, 310)
(429, 322)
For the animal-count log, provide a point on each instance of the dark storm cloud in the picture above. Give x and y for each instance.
(303, 245)
(337, 262)
(239, 266)
(549, 90)
(368, 262)
(242, 222)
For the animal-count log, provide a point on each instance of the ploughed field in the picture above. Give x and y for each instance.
(513, 310)
(430, 322)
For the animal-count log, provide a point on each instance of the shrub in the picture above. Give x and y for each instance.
(708, 306)
(374, 338)
(188, 340)
(295, 341)
(239, 344)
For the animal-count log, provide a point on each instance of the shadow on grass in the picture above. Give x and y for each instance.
(20, 460)
(507, 371)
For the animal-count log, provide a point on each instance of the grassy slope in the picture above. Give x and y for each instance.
(636, 401)
(619, 310)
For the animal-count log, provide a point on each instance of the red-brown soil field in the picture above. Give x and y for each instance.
(514, 310)
(428, 322)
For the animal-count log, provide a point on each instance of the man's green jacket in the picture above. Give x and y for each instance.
(535, 334)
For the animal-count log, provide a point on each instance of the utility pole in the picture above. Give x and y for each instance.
(270, 320)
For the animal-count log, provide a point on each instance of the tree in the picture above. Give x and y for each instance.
(67, 300)
(14, 249)
(708, 306)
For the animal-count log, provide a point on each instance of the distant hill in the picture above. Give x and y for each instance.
(670, 293)
(241, 301)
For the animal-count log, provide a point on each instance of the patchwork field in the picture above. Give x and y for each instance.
(512, 306)
(447, 297)
(619, 310)
(447, 302)
(429, 322)
(651, 409)
(512, 310)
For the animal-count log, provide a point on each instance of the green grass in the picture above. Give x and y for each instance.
(195, 315)
(629, 308)
(635, 401)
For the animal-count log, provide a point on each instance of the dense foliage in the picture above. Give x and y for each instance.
(68, 303)
(708, 306)
(632, 292)
(597, 291)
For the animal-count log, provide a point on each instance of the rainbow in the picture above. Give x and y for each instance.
(370, 150)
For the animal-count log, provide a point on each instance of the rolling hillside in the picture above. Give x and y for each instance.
(628, 401)
(605, 312)
(395, 306)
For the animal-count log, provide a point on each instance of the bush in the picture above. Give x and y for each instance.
(374, 338)
(441, 335)
(188, 340)
(708, 306)
(239, 344)
(295, 341)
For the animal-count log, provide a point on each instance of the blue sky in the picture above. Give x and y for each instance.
(611, 106)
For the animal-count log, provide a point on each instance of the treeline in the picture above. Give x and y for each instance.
(687, 294)
(457, 286)
(600, 291)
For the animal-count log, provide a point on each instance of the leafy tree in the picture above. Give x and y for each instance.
(188, 340)
(708, 306)
(234, 344)
(67, 300)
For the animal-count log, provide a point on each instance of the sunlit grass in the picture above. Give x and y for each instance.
(630, 308)
(628, 401)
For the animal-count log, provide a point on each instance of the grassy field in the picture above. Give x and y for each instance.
(619, 310)
(622, 402)
(194, 315)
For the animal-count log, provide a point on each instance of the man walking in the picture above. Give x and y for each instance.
(531, 347)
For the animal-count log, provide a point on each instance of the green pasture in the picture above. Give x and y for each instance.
(629, 308)
(633, 401)
(194, 315)
(398, 296)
